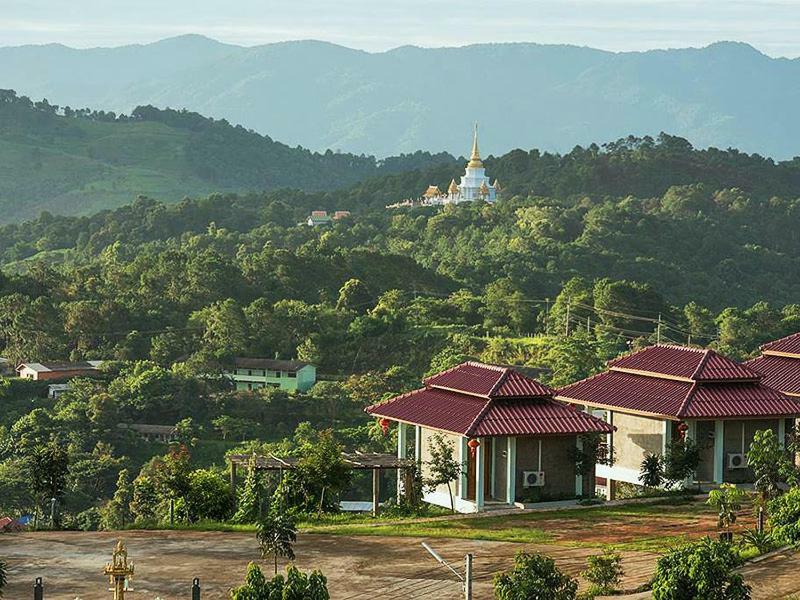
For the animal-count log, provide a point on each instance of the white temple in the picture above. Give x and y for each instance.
(475, 185)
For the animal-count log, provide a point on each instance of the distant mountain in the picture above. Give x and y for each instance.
(78, 162)
(322, 96)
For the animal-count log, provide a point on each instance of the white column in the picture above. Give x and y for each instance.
(511, 470)
(463, 458)
(418, 444)
(782, 432)
(402, 450)
(493, 450)
(719, 451)
(480, 453)
(578, 476)
(666, 436)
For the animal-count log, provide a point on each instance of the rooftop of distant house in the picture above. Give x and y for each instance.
(779, 364)
(680, 382)
(269, 364)
(49, 367)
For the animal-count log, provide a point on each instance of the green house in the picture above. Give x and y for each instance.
(254, 373)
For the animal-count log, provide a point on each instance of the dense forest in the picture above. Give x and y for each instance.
(585, 256)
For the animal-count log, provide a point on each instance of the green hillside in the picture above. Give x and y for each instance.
(78, 162)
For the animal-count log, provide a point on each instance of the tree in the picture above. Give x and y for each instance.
(443, 468)
(277, 532)
(295, 586)
(3, 577)
(770, 464)
(593, 451)
(117, 512)
(354, 296)
(784, 516)
(728, 501)
(209, 497)
(252, 497)
(701, 570)
(604, 572)
(146, 499)
(47, 470)
(534, 576)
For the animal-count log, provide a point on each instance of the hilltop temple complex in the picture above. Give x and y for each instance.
(475, 185)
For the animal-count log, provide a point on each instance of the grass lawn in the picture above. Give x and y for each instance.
(646, 527)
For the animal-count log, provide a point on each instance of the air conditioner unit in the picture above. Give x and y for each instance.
(532, 479)
(737, 461)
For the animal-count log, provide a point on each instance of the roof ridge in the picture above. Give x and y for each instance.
(393, 398)
(478, 418)
(685, 404)
(500, 380)
(780, 339)
(701, 364)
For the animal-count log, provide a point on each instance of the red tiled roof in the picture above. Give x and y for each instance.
(786, 345)
(487, 380)
(696, 364)
(780, 372)
(681, 383)
(474, 399)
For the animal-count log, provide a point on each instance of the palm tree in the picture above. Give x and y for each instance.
(276, 534)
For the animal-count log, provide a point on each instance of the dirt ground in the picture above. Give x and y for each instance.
(358, 568)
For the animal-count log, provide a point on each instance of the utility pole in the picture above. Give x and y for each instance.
(468, 577)
(658, 330)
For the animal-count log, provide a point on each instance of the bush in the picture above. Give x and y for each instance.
(784, 516)
(89, 519)
(295, 586)
(603, 572)
(209, 497)
(534, 576)
(700, 570)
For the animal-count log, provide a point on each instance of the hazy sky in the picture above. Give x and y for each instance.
(773, 26)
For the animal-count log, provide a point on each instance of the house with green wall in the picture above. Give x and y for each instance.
(253, 373)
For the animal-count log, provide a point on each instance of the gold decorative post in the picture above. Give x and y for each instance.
(119, 571)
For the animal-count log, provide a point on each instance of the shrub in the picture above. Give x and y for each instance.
(652, 471)
(784, 516)
(209, 496)
(295, 586)
(89, 519)
(763, 541)
(727, 500)
(534, 576)
(700, 570)
(603, 572)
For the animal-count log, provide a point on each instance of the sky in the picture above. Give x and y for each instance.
(772, 26)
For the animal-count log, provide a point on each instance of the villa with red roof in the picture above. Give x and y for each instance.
(514, 441)
(779, 363)
(662, 392)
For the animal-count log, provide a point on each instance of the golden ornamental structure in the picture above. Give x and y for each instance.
(119, 571)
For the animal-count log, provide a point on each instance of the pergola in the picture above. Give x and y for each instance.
(357, 461)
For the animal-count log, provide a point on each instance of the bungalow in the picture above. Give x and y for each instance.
(515, 443)
(664, 392)
(779, 363)
(58, 370)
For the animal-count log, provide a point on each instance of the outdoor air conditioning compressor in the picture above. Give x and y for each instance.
(532, 479)
(737, 461)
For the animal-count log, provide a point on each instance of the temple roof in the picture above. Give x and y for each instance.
(476, 399)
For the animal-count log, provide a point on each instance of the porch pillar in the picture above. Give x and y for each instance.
(402, 454)
(511, 470)
(578, 476)
(418, 445)
(493, 450)
(462, 459)
(782, 432)
(667, 436)
(719, 451)
(480, 457)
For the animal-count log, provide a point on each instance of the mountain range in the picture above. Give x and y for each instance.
(323, 96)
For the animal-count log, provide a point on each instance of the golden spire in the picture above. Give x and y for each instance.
(475, 159)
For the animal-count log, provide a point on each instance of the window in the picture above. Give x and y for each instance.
(250, 387)
(292, 374)
(250, 372)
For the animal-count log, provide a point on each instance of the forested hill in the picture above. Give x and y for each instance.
(321, 95)
(69, 161)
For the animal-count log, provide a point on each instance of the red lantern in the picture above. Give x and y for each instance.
(473, 447)
(682, 429)
(384, 423)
